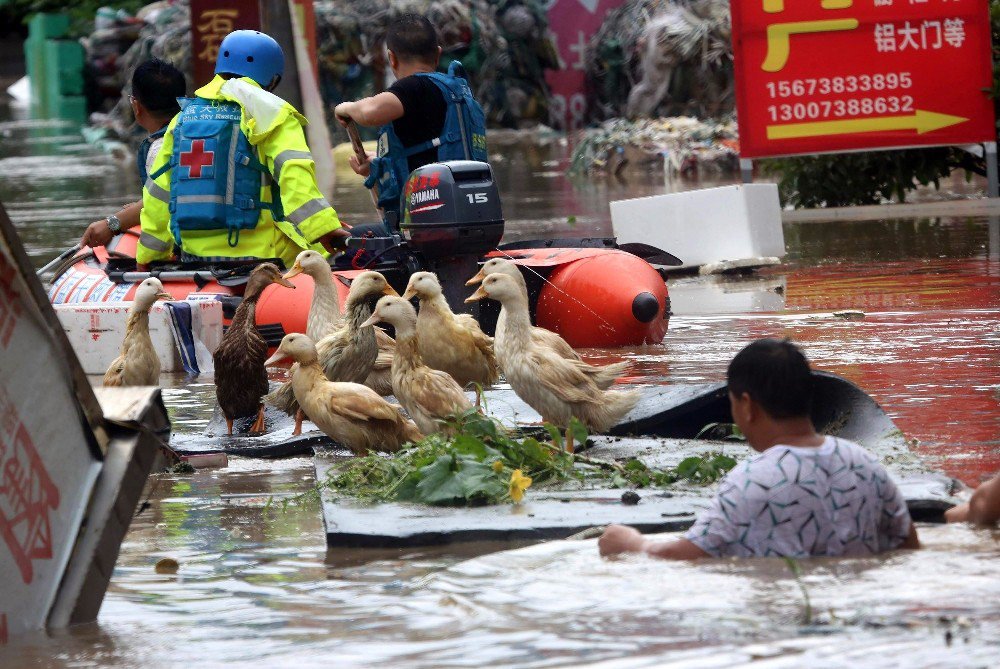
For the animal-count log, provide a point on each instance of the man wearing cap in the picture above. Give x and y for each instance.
(234, 178)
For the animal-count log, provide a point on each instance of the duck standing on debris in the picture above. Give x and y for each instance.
(349, 352)
(240, 376)
(557, 388)
(325, 317)
(138, 364)
(428, 395)
(602, 375)
(350, 413)
(453, 343)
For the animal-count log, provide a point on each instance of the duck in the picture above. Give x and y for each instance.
(138, 364)
(349, 352)
(350, 413)
(556, 387)
(428, 395)
(325, 316)
(324, 309)
(602, 375)
(240, 374)
(453, 343)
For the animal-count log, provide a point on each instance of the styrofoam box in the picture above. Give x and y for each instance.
(96, 331)
(705, 226)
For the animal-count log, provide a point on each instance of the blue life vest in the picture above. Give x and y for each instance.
(463, 137)
(216, 179)
(143, 154)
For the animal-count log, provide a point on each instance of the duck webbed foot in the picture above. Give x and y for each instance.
(258, 426)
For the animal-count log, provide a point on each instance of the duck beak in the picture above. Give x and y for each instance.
(372, 320)
(285, 282)
(478, 278)
(478, 295)
(295, 271)
(389, 290)
(409, 294)
(278, 356)
(163, 295)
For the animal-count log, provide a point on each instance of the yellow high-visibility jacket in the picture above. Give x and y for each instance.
(274, 128)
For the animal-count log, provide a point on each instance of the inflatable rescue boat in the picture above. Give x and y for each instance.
(588, 290)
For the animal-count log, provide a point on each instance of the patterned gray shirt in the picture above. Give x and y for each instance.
(798, 502)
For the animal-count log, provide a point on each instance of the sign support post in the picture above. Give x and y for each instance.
(992, 186)
(746, 170)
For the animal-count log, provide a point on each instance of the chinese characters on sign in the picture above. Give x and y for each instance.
(835, 75)
(210, 23)
(27, 493)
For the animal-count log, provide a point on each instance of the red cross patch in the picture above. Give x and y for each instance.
(197, 158)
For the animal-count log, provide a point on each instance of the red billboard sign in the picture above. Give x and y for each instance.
(818, 76)
(211, 21)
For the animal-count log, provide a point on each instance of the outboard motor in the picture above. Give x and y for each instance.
(451, 217)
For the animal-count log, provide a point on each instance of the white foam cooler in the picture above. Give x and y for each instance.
(96, 332)
(739, 225)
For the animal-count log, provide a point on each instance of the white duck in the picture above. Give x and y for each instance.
(428, 395)
(451, 342)
(603, 375)
(350, 413)
(556, 387)
(325, 316)
(347, 353)
(324, 310)
(138, 364)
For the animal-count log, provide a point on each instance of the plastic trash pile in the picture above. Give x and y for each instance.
(681, 145)
(503, 45)
(662, 58)
(120, 42)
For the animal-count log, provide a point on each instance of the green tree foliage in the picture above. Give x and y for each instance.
(873, 177)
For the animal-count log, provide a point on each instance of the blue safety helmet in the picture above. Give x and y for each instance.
(250, 53)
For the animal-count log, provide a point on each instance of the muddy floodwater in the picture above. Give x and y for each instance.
(257, 586)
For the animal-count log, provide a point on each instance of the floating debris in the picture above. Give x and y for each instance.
(167, 566)
(682, 144)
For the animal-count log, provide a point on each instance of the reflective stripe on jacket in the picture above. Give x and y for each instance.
(274, 128)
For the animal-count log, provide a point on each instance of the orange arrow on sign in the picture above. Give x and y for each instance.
(921, 121)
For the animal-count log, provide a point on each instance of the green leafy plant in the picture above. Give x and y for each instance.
(728, 431)
(480, 461)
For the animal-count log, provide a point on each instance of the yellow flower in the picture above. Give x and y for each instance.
(497, 466)
(518, 484)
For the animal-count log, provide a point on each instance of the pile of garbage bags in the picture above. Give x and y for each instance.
(503, 45)
(662, 58)
(679, 145)
(119, 43)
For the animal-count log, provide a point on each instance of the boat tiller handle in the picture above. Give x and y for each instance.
(362, 156)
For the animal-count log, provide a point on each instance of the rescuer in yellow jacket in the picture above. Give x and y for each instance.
(234, 178)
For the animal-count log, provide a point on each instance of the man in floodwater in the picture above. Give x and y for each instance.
(234, 179)
(982, 509)
(156, 86)
(803, 494)
(425, 116)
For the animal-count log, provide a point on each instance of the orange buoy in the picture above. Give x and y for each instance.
(606, 300)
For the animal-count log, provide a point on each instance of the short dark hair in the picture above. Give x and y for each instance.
(157, 84)
(775, 374)
(412, 37)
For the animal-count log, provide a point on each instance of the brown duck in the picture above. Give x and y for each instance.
(240, 376)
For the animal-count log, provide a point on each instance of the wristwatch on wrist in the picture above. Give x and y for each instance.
(114, 224)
